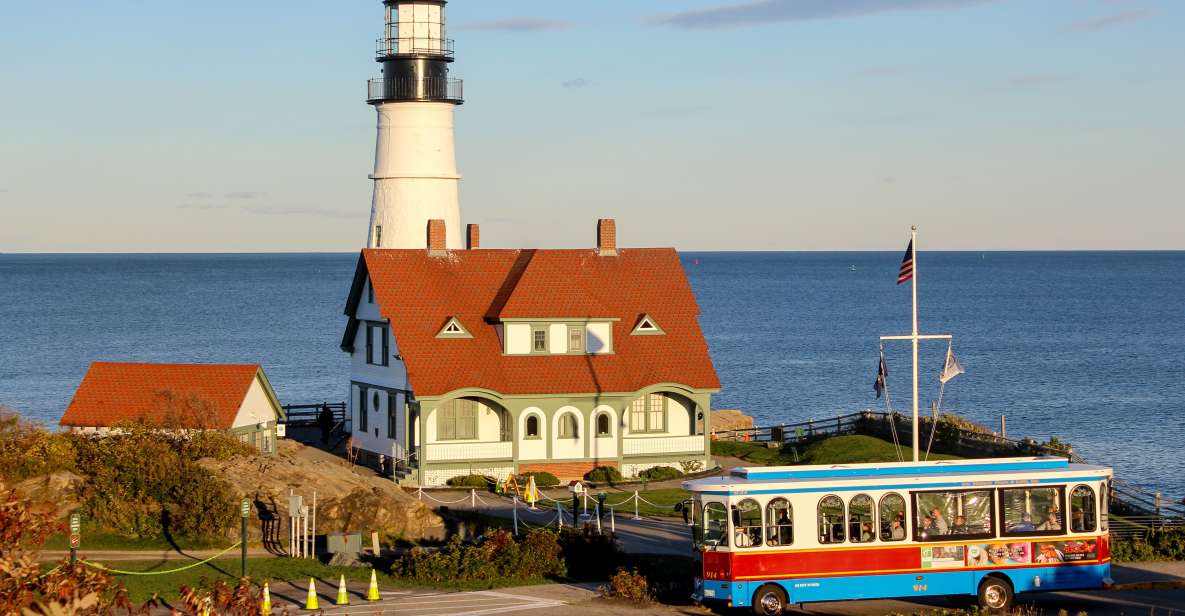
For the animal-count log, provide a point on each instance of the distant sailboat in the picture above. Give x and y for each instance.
(853, 268)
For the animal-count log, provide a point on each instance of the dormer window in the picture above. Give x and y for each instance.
(539, 340)
(647, 327)
(576, 339)
(453, 329)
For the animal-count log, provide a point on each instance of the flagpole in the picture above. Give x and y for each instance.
(916, 432)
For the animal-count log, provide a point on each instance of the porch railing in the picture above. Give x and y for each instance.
(663, 444)
(448, 452)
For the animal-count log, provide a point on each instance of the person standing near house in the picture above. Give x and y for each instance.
(325, 421)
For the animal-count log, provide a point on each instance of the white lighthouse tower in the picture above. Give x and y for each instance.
(415, 163)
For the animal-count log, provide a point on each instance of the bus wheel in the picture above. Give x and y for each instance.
(769, 600)
(995, 595)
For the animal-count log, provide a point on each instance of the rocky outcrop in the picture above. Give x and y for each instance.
(730, 419)
(348, 498)
(59, 492)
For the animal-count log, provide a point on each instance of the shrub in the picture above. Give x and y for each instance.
(469, 481)
(629, 586)
(691, 466)
(659, 473)
(589, 555)
(499, 557)
(603, 474)
(28, 450)
(543, 479)
(1163, 544)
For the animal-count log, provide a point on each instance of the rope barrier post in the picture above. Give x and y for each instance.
(636, 499)
(559, 514)
(514, 508)
(244, 511)
(598, 510)
(473, 499)
(612, 522)
(419, 494)
(585, 515)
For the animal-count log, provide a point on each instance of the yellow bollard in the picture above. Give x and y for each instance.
(311, 603)
(372, 593)
(342, 597)
(266, 608)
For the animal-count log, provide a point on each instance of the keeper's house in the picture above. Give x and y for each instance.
(178, 397)
(498, 361)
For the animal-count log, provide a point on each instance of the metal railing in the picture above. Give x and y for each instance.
(308, 414)
(386, 47)
(415, 89)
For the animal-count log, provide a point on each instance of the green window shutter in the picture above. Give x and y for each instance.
(392, 429)
(446, 421)
(467, 420)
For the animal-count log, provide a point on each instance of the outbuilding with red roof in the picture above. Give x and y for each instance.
(234, 398)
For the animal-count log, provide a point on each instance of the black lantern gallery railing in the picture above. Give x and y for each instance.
(415, 89)
(386, 47)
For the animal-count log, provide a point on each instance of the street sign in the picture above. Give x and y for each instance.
(75, 531)
(245, 508)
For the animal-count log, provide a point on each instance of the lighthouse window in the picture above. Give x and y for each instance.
(378, 236)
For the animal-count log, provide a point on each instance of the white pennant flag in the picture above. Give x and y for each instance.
(952, 367)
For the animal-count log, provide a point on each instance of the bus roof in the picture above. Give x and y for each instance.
(922, 472)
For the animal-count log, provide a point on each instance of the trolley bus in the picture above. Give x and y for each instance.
(769, 537)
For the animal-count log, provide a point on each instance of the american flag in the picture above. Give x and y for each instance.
(906, 273)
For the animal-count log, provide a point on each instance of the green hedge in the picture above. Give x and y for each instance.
(469, 481)
(603, 474)
(659, 473)
(1167, 544)
(543, 479)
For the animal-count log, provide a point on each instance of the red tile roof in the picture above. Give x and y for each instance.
(112, 393)
(417, 293)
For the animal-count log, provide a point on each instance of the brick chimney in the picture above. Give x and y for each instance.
(436, 237)
(607, 237)
(472, 237)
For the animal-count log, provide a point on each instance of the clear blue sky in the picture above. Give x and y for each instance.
(771, 124)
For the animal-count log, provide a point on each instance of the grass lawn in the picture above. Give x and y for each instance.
(273, 570)
(95, 539)
(835, 450)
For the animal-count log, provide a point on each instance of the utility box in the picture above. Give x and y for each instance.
(348, 543)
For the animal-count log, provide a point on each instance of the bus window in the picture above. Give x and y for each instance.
(860, 520)
(715, 524)
(892, 517)
(780, 518)
(1082, 510)
(747, 521)
(964, 513)
(1031, 511)
(831, 520)
(1104, 505)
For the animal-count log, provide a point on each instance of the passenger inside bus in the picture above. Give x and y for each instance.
(781, 522)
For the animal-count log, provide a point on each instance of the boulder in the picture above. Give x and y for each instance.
(349, 498)
(730, 419)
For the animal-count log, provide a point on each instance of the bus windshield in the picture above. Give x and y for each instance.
(715, 520)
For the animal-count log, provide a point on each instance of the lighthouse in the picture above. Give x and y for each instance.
(415, 163)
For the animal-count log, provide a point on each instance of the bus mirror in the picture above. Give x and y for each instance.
(678, 506)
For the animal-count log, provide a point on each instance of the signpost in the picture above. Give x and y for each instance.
(244, 511)
(75, 536)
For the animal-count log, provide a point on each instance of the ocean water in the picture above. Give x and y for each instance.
(1088, 347)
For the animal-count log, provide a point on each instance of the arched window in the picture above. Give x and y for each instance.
(892, 517)
(715, 524)
(1082, 510)
(532, 426)
(779, 522)
(831, 519)
(861, 524)
(569, 427)
(603, 423)
(747, 521)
